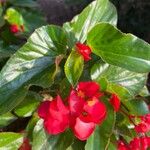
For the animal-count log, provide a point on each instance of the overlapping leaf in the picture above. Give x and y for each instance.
(131, 81)
(43, 141)
(97, 11)
(116, 48)
(29, 64)
(74, 67)
(10, 140)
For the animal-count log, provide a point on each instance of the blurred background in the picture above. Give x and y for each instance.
(134, 15)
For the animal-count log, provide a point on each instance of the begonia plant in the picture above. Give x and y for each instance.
(82, 86)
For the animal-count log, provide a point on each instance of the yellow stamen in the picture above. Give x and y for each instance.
(91, 102)
(81, 94)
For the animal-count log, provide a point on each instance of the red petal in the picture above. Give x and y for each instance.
(142, 127)
(43, 109)
(147, 118)
(115, 101)
(84, 50)
(144, 143)
(135, 144)
(58, 106)
(96, 111)
(90, 89)
(83, 130)
(75, 104)
(56, 125)
(122, 146)
(14, 28)
(57, 118)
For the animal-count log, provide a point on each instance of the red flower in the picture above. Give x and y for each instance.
(86, 110)
(115, 101)
(43, 109)
(84, 50)
(135, 144)
(144, 126)
(122, 146)
(14, 28)
(56, 115)
(25, 145)
(96, 111)
(140, 143)
(88, 89)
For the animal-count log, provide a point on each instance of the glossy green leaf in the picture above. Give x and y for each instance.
(132, 81)
(119, 49)
(14, 17)
(6, 119)
(137, 107)
(10, 140)
(28, 105)
(30, 64)
(97, 11)
(74, 67)
(43, 141)
(121, 91)
(100, 139)
(144, 92)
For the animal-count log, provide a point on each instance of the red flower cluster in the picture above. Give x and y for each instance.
(85, 108)
(83, 113)
(144, 126)
(14, 28)
(84, 50)
(138, 143)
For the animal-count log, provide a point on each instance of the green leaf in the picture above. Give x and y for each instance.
(6, 50)
(30, 127)
(10, 140)
(27, 65)
(77, 145)
(43, 141)
(6, 119)
(2, 21)
(100, 139)
(74, 67)
(119, 49)
(137, 107)
(132, 81)
(121, 91)
(14, 17)
(97, 11)
(144, 92)
(28, 105)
